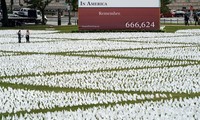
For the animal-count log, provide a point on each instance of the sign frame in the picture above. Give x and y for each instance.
(119, 15)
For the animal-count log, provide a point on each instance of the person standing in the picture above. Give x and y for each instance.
(19, 36)
(27, 36)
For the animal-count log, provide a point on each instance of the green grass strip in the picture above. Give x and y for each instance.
(96, 71)
(84, 107)
(64, 89)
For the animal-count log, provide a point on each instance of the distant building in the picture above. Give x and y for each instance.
(184, 4)
(54, 5)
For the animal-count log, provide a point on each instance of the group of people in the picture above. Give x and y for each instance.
(187, 18)
(20, 36)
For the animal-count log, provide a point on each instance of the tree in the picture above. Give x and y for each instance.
(74, 4)
(11, 5)
(40, 5)
(5, 13)
(164, 8)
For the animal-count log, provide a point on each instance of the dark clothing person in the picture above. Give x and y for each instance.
(196, 19)
(186, 18)
(27, 36)
(19, 36)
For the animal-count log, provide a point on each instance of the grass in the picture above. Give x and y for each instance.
(173, 28)
(65, 29)
(169, 28)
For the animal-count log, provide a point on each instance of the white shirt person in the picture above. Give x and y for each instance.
(27, 36)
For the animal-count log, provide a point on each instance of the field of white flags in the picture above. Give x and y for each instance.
(100, 76)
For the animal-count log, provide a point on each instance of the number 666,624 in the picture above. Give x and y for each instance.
(140, 24)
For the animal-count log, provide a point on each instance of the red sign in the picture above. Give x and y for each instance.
(107, 15)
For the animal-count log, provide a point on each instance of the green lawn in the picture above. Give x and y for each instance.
(69, 28)
(174, 28)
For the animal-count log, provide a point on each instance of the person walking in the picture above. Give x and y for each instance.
(196, 19)
(19, 36)
(27, 36)
(186, 18)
